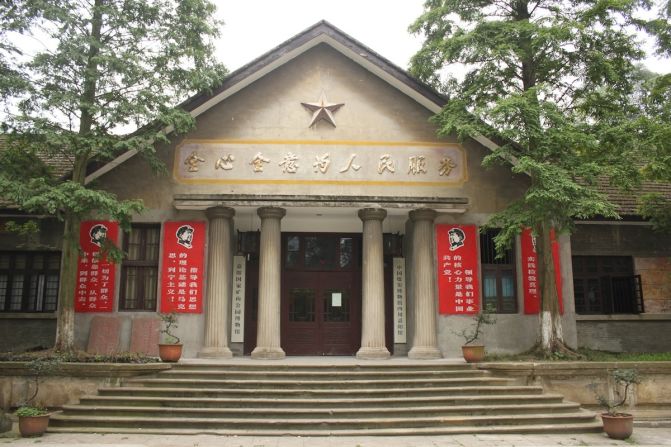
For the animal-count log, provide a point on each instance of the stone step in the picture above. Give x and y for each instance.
(320, 413)
(582, 427)
(317, 403)
(207, 374)
(323, 393)
(361, 423)
(323, 400)
(338, 384)
(331, 367)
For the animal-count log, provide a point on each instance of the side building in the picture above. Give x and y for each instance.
(314, 211)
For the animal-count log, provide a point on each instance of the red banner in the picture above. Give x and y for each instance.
(458, 285)
(182, 267)
(530, 279)
(95, 275)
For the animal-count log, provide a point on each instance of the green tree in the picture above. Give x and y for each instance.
(656, 109)
(552, 82)
(102, 67)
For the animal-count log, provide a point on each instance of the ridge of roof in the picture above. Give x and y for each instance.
(322, 27)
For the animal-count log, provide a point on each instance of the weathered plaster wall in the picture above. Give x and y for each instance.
(270, 110)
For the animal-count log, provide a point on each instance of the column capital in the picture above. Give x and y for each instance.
(271, 212)
(422, 214)
(219, 212)
(372, 214)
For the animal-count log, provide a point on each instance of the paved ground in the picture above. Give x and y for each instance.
(642, 436)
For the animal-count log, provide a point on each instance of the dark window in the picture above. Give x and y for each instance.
(498, 276)
(139, 270)
(301, 304)
(29, 281)
(606, 285)
(321, 252)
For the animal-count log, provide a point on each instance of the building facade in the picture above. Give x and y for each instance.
(314, 211)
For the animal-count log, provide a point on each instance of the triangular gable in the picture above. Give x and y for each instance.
(321, 32)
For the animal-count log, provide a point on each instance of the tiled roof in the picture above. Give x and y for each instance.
(627, 201)
(59, 164)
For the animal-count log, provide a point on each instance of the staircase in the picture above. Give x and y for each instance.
(247, 398)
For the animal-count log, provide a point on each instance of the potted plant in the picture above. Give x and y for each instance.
(474, 353)
(171, 349)
(618, 425)
(33, 419)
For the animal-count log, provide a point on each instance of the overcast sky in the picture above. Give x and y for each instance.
(253, 27)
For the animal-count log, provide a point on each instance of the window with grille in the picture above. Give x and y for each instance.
(498, 276)
(606, 285)
(139, 270)
(29, 281)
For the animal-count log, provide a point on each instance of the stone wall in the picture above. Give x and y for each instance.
(625, 333)
(67, 384)
(22, 332)
(581, 382)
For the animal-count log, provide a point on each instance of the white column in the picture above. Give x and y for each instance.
(372, 309)
(219, 276)
(268, 328)
(424, 340)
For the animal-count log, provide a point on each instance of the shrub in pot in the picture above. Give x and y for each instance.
(618, 425)
(34, 420)
(171, 349)
(471, 351)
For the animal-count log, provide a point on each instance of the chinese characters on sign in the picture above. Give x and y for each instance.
(232, 162)
(458, 283)
(530, 279)
(399, 301)
(238, 317)
(182, 267)
(95, 274)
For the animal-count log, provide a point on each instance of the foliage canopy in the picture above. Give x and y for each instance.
(77, 77)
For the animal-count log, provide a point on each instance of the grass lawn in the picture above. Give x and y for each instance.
(585, 355)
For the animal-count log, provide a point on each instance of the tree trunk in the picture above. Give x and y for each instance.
(552, 339)
(65, 326)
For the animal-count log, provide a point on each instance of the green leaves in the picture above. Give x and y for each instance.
(107, 81)
(555, 82)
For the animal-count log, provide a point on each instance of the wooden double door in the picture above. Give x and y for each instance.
(321, 294)
(320, 291)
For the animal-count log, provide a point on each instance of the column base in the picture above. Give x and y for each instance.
(370, 353)
(424, 353)
(262, 353)
(215, 353)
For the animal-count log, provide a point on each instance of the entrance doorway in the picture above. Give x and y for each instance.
(321, 293)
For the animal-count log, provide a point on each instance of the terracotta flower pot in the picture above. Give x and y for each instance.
(30, 426)
(473, 353)
(169, 353)
(620, 426)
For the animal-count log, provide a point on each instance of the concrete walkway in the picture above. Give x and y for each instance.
(642, 436)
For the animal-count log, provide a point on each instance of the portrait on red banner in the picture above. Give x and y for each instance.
(530, 278)
(182, 267)
(95, 273)
(458, 286)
